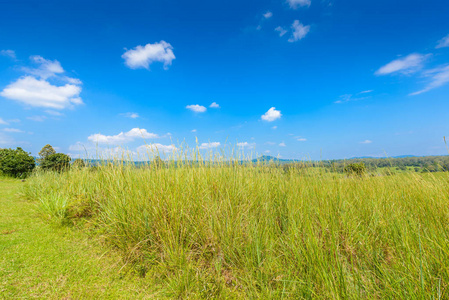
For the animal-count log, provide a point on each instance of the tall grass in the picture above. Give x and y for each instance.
(229, 230)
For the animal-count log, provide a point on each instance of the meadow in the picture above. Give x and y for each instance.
(232, 230)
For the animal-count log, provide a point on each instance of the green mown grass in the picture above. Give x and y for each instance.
(42, 261)
(255, 231)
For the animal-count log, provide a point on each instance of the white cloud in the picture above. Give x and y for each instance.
(271, 115)
(267, 151)
(270, 143)
(214, 105)
(268, 15)
(193, 130)
(281, 30)
(299, 31)
(299, 3)
(209, 145)
(366, 142)
(122, 137)
(41, 93)
(37, 118)
(274, 127)
(246, 145)
(196, 108)
(72, 80)
(282, 144)
(34, 89)
(3, 122)
(54, 113)
(366, 92)
(144, 56)
(130, 115)
(12, 130)
(47, 68)
(8, 53)
(439, 77)
(156, 148)
(349, 98)
(407, 65)
(444, 42)
(301, 139)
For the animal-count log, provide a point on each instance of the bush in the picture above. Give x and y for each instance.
(16, 163)
(79, 163)
(56, 162)
(356, 168)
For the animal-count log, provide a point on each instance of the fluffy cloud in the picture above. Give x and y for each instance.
(439, 76)
(156, 148)
(130, 115)
(196, 108)
(3, 122)
(282, 144)
(122, 137)
(144, 56)
(407, 65)
(268, 15)
(281, 30)
(214, 105)
(366, 142)
(299, 31)
(271, 115)
(209, 145)
(46, 68)
(444, 42)
(8, 53)
(299, 139)
(35, 89)
(41, 93)
(299, 3)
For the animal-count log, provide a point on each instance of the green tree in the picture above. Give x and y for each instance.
(46, 151)
(56, 162)
(16, 163)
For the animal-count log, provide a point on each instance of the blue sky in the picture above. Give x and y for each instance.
(291, 78)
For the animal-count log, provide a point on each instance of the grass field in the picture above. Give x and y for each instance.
(43, 261)
(255, 231)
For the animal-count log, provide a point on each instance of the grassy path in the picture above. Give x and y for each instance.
(38, 260)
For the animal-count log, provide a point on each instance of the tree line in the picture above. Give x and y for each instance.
(19, 163)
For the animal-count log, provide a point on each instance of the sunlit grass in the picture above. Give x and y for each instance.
(223, 229)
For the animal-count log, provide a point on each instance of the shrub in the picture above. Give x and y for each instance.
(16, 163)
(79, 163)
(56, 162)
(356, 168)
